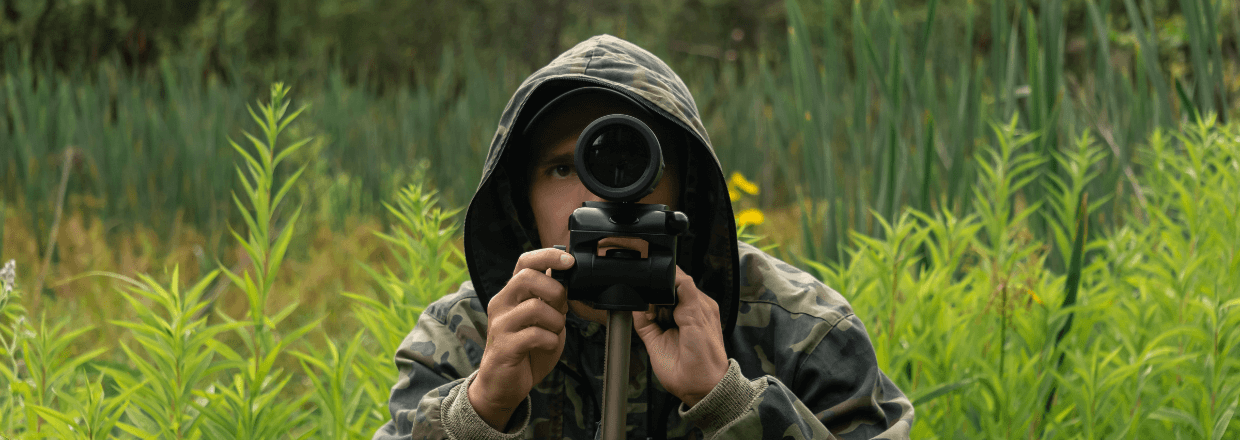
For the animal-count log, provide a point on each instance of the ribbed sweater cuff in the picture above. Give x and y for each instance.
(461, 421)
(724, 404)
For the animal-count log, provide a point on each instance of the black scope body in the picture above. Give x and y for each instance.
(619, 158)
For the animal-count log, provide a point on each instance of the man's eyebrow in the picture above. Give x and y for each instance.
(556, 159)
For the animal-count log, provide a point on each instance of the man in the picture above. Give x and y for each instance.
(759, 349)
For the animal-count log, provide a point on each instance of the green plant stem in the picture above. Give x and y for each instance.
(51, 239)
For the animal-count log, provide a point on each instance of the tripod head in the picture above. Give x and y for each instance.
(619, 159)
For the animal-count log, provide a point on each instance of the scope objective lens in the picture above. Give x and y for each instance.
(618, 156)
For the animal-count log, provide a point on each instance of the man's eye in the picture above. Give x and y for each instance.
(561, 171)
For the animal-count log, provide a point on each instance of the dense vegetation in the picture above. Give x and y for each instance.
(865, 105)
(1033, 206)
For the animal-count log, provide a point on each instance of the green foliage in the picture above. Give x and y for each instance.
(1047, 278)
(93, 418)
(429, 265)
(347, 409)
(1136, 335)
(49, 366)
(176, 358)
(252, 406)
(745, 234)
(1193, 276)
(868, 105)
(13, 329)
(975, 336)
(185, 379)
(381, 41)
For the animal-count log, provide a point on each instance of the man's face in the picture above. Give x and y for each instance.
(554, 188)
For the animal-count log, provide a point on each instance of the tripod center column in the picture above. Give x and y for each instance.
(615, 374)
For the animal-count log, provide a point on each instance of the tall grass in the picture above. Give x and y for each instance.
(195, 375)
(1134, 339)
(154, 148)
(1024, 266)
(910, 104)
(869, 106)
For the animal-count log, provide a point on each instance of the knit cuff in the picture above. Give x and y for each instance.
(461, 421)
(725, 403)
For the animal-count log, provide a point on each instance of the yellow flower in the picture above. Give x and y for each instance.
(743, 184)
(750, 216)
(1034, 295)
(733, 195)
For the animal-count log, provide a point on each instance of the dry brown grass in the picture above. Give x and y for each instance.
(322, 263)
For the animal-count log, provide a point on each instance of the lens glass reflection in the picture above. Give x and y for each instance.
(617, 156)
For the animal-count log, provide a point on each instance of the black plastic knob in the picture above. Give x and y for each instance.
(627, 254)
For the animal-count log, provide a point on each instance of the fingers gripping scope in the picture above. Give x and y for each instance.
(619, 158)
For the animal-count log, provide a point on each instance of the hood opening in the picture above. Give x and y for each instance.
(499, 223)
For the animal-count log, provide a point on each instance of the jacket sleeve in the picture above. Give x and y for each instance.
(839, 379)
(437, 361)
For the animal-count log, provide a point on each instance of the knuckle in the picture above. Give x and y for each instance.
(513, 321)
(528, 256)
(534, 338)
(556, 321)
(525, 275)
(524, 261)
(557, 294)
(499, 324)
(547, 340)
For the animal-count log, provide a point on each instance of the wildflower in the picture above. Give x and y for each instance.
(1034, 295)
(8, 274)
(751, 216)
(743, 184)
(733, 195)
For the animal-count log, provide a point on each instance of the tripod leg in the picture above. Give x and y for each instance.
(615, 374)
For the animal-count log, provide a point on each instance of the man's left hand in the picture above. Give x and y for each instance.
(689, 360)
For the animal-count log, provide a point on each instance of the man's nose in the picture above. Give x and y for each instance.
(585, 195)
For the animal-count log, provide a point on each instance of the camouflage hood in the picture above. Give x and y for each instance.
(498, 224)
(801, 364)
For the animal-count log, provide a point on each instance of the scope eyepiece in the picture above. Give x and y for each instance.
(619, 158)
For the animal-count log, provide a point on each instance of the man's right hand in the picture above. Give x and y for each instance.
(525, 335)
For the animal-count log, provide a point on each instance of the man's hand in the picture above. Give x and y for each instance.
(525, 335)
(689, 360)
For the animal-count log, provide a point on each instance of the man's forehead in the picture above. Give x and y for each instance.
(568, 118)
(552, 136)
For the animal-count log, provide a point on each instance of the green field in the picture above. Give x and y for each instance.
(1034, 207)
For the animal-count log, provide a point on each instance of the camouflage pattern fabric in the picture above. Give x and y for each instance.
(807, 366)
(801, 363)
(496, 232)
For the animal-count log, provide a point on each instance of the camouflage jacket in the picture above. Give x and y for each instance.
(801, 363)
(802, 366)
